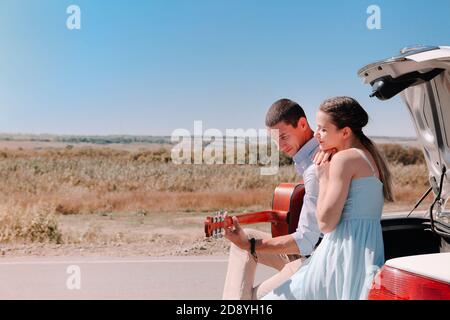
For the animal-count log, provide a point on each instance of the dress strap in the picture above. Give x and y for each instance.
(365, 158)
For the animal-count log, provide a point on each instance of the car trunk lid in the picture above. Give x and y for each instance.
(421, 76)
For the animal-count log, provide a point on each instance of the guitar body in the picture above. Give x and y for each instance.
(287, 197)
(287, 204)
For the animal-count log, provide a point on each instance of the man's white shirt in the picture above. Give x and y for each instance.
(308, 233)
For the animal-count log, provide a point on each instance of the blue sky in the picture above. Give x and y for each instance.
(149, 67)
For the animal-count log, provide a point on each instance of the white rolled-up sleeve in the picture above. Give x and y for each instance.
(308, 233)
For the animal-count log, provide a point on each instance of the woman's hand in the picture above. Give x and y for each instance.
(237, 235)
(322, 161)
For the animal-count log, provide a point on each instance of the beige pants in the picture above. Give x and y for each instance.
(241, 271)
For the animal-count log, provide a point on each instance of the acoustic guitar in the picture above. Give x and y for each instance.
(286, 206)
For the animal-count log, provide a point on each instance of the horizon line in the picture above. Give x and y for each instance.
(4, 134)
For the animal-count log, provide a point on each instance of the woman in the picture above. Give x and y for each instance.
(352, 188)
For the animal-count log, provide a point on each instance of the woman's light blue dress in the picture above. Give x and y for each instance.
(347, 259)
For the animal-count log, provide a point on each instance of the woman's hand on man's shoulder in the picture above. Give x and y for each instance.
(323, 156)
(322, 161)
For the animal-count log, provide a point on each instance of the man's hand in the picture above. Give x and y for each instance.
(237, 235)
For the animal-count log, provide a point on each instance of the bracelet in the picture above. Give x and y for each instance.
(252, 248)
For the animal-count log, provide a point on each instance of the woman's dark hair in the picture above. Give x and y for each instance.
(347, 112)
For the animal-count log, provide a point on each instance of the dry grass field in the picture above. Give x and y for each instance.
(129, 199)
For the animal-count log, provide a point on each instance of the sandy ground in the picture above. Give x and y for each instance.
(125, 235)
(129, 235)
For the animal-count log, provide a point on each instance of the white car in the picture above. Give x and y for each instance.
(417, 247)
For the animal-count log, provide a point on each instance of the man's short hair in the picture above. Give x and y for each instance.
(284, 110)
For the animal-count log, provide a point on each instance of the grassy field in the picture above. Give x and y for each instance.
(72, 194)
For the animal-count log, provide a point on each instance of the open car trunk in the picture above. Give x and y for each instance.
(407, 236)
(421, 76)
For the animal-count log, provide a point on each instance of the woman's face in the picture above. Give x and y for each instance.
(328, 135)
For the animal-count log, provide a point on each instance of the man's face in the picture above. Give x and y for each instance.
(290, 139)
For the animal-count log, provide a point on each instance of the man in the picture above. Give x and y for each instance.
(297, 140)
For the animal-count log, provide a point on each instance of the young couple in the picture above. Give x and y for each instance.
(346, 183)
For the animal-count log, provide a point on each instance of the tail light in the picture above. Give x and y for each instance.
(395, 284)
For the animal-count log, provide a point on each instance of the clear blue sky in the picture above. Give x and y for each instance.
(149, 67)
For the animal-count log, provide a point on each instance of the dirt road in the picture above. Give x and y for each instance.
(191, 277)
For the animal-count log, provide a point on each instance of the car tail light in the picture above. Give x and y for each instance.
(395, 284)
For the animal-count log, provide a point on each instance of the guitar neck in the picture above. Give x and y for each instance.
(262, 216)
(272, 216)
